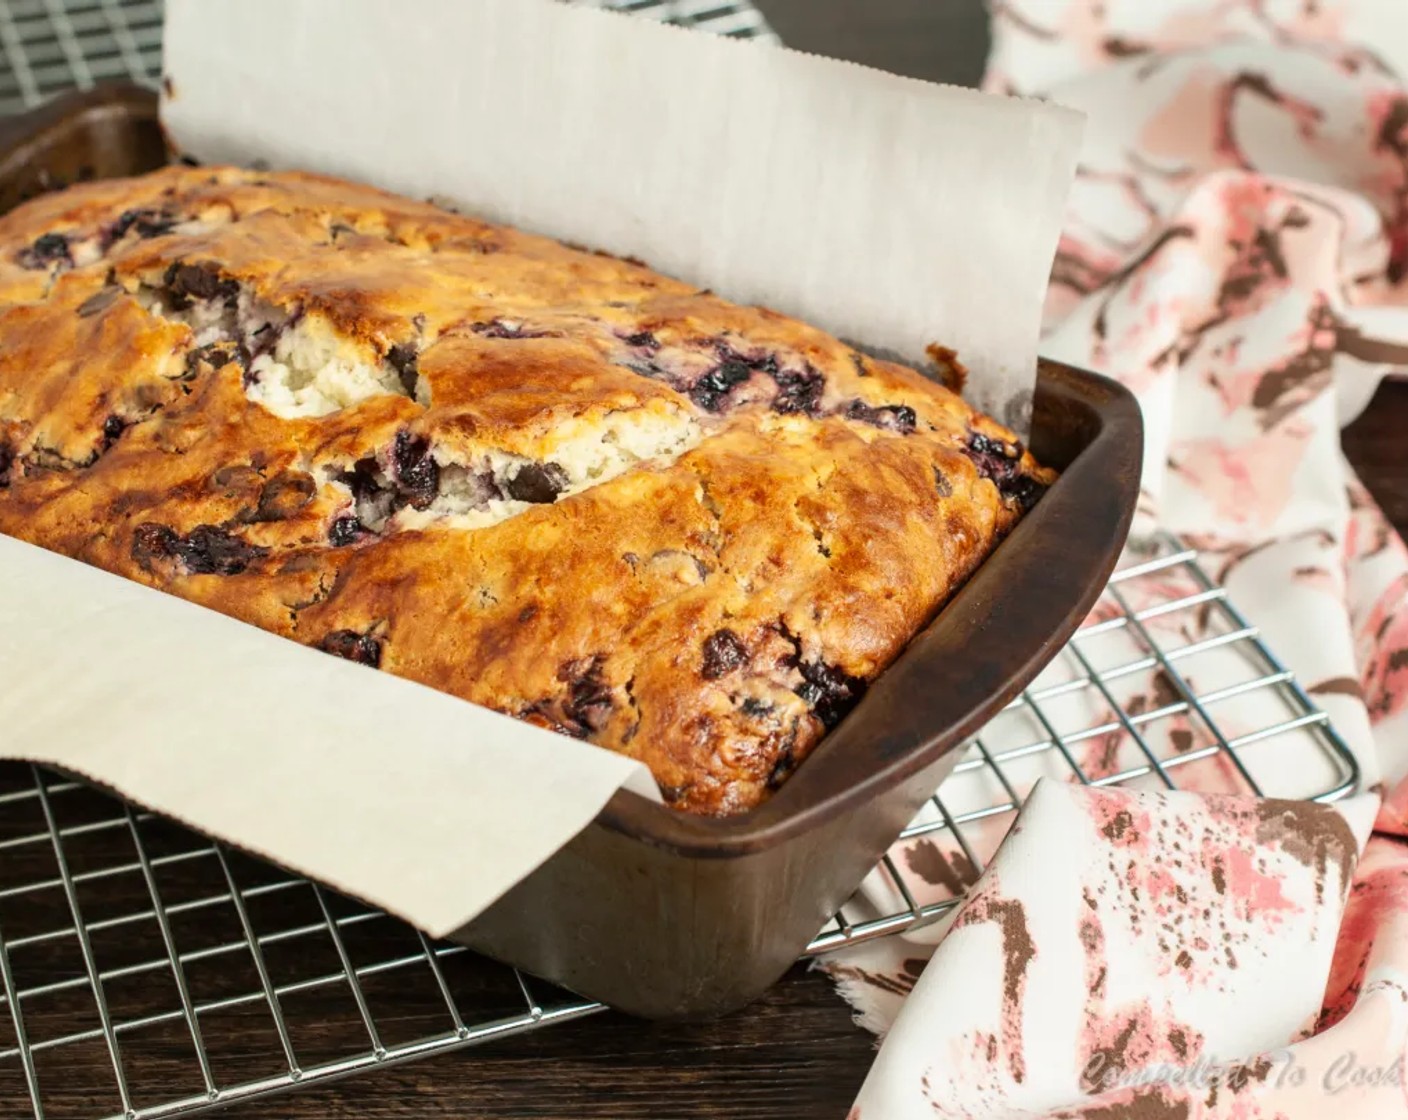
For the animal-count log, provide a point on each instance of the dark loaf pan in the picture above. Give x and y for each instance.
(667, 915)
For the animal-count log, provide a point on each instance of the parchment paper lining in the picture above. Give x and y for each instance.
(889, 211)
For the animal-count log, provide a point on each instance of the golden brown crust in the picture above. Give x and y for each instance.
(709, 602)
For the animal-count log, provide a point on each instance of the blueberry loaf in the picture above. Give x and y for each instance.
(546, 480)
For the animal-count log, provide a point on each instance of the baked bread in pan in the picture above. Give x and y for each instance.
(546, 480)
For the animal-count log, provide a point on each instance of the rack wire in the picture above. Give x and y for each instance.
(48, 46)
(146, 966)
(1165, 686)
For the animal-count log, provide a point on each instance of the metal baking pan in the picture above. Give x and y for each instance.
(668, 915)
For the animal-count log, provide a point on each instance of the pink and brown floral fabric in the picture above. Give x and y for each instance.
(1236, 252)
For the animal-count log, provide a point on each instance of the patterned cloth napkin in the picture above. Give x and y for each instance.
(1236, 252)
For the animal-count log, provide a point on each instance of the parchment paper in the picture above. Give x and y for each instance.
(893, 212)
(401, 795)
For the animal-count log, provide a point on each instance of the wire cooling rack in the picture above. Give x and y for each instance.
(53, 45)
(47, 46)
(1165, 686)
(148, 972)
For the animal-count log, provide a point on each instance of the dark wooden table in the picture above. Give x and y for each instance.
(796, 1054)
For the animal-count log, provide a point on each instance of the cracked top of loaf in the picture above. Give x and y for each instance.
(546, 480)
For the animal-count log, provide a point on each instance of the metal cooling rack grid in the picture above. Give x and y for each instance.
(179, 968)
(47, 46)
(172, 974)
(1166, 685)
(53, 45)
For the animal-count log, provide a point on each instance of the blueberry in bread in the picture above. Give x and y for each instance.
(546, 480)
